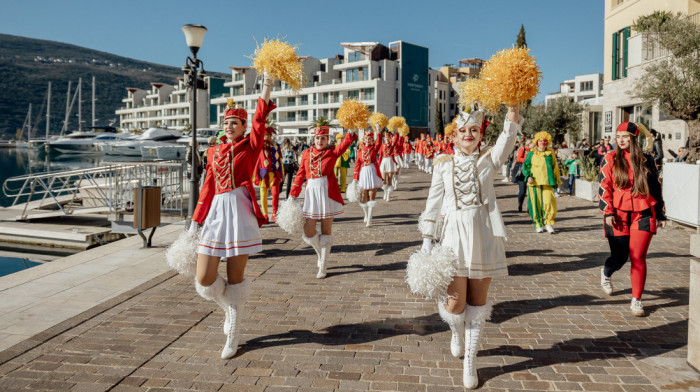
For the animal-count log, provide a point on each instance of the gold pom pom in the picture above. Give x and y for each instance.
(353, 115)
(378, 121)
(450, 128)
(404, 129)
(230, 103)
(477, 90)
(395, 122)
(280, 61)
(512, 76)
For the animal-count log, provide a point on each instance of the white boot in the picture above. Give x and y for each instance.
(215, 292)
(370, 206)
(326, 244)
(235, 296)
(395, 181)
(389, 190)
(456, 323)
(364, 208)
(315, 243)
(476, 316)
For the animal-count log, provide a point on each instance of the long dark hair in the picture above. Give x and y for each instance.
(640, 187)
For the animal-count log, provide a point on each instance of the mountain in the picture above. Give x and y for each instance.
(27, 65)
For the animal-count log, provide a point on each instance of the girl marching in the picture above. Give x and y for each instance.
(366, 173)
(633, 207)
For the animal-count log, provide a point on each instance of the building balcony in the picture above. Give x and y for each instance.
(355, 64)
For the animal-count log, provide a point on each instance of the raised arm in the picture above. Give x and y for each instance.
(345, 144)
(506, 140)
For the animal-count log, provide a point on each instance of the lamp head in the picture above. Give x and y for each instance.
(194, 35)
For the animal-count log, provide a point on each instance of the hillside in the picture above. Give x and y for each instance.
(27, 65)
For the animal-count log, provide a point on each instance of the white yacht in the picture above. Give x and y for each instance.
(152, 137)
(203, 135)
(85, 142)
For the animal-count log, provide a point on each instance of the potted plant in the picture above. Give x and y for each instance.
(586, 187)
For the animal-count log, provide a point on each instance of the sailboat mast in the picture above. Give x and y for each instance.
(80, 104)
(29, 120)
(65, 121)
(93, 101)
(48, 111)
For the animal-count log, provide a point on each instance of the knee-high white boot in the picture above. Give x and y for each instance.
(215, 292)
(395, 181)
(370, 206)
(235, 295)
(476, 316)
(326, 244)
(388, 192)
(315, 243)
(456, 323)
(364, 208)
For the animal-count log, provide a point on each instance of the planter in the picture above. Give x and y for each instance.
(586, 190)
(681, 191)
(694, 311)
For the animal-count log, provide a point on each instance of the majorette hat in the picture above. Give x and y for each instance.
(232, 112)
(422, 135)
(628, 127)
(270, 130)
(322, 130)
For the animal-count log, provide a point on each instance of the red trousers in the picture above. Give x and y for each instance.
(630, 237)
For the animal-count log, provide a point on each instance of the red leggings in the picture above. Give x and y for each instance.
(630, 237)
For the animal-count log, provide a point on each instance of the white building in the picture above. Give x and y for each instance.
(393, 80)
(579, 88)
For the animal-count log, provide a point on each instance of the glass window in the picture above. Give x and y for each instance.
(291, 101)
(369, 93)
(304, 99)
(354, 94)
(291, 116)
(238, 77)
(365, 73)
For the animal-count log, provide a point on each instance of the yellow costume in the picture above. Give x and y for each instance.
(542, 168)
(342, 165)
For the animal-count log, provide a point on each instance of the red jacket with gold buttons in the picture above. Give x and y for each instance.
(368, 155)
(388, 150)
(321, 163)
(238, 158)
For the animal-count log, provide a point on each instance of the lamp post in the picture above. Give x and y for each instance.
(194, 35)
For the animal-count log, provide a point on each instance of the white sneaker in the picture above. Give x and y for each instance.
(637, 308)
(605, 283)
(550, 229)
(539, 229)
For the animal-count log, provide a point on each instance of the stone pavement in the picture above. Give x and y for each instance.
(360, 328)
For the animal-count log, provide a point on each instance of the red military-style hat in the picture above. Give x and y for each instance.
(320, 131)
(628, 127)
(232, 112)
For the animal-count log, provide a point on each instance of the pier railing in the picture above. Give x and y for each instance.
(107, 188)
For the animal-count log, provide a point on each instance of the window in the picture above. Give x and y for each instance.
(291, 116)
(369, 94)
(352, 75)
(619, 53)
(335, 96)
(397, 95)
(642, 115)
(323, 67)
(238, 77)
(354, 56)
(354, 94)
(365, 73)
(380, 73)
(324, 98)
(304, 115)
(586, 86)
(291, 101)
(304, 100)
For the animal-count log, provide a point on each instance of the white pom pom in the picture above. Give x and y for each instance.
(290, 218)
(352, 191)
(181, 255)
(430, 274)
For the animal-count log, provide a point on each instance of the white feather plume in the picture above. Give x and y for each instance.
(181, 255)
(290, 217)
(429, 274)
(352, 191)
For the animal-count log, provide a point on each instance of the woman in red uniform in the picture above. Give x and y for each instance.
(230, 215)
(367, 174)
(322, 198)
(387, 163)
(407, 150)
(631, 201)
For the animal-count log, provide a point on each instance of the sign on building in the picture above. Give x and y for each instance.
(608, 121)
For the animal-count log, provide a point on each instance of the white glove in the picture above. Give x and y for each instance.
(292, 198)
(427, 245)
(194, 226)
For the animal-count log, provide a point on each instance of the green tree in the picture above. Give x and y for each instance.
(559, 118)
(520, 42)
(439, 128)
(673, 82)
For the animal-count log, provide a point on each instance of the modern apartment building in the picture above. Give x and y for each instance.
(393, 79)
(452, 77)
(167, 105)
(581, 87)
(627, 53)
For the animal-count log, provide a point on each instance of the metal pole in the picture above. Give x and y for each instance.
(194, 183)
(48, 111)
(80, 104)
(93, 101)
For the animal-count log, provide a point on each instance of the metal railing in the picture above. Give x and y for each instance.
(108, 188)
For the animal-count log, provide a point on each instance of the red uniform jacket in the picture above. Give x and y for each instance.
(419, 146)
(613, 198)
(322, 166)
(407, 148)
(428, 150)
(451, 148)
(239, 158)
(388, 150)
(366, 156)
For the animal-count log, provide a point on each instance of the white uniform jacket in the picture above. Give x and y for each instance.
(445, 186)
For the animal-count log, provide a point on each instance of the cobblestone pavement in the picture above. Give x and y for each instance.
(360, 328)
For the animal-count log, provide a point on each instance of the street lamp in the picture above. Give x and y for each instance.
(194, 35)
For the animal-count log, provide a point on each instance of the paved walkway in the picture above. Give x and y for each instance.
(360, 329)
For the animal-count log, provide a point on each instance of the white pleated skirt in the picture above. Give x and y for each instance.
(387, 165)
(317, 204)
(369, 178)
(231, 228)
(469, 234)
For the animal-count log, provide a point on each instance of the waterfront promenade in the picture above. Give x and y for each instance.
(360, 328)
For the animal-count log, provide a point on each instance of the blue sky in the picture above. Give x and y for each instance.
(565, 36)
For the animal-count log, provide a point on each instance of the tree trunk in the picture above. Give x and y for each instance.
(694, 143)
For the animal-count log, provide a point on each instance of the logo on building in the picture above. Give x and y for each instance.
(415, 77)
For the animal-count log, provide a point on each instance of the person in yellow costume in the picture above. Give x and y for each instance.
(269, 173)
(342, 165)
(542, 175)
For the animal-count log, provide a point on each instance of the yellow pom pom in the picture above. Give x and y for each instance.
(378, 121)
(477, 90)
(395, 122)
(404, 129)
(280, 61)
(512, 76)
(450, 128)
(230, 103)
(353, 115)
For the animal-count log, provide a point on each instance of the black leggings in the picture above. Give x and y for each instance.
(522, 192)
(289, 176)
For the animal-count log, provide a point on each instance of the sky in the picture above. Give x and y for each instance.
(565, 36)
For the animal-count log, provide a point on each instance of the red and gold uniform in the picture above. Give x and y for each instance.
(366, 170)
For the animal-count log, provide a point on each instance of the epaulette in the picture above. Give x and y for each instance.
(482, 153)
(443, 158)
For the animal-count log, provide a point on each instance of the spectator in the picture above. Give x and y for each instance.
(682, 154)
(657, 149)
(573, 163)
(583, 144)
(198, 168)
(290, 161)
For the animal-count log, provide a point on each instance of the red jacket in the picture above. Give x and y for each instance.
(388, 150)
(522, 152)
(323, 166)
(366, 156)
(407, 148)
(429, 150)
(613, 198)
(238, 157)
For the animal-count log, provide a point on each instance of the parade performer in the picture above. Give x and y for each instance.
(542, 175)
(322, 198)
(269, 173)
(429, 153)
(632, 204)
(230, 215)
(342, 165)
(420, 159)
(407, 151)
(367, 173)
(398, 155)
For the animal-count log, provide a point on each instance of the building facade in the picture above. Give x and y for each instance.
(626, 55)
(581, 87)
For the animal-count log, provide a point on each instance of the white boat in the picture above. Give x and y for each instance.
(85, 142)
(152, 137)
(203, 135)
